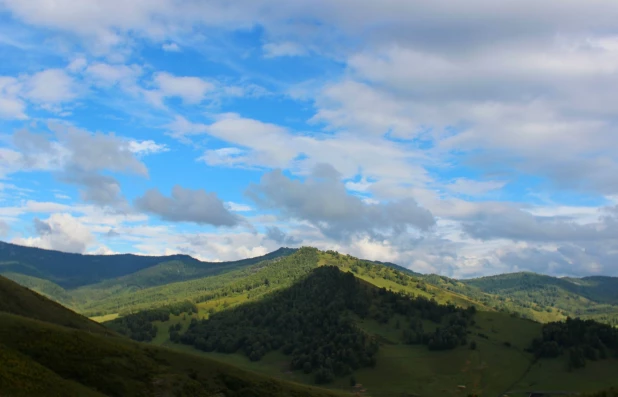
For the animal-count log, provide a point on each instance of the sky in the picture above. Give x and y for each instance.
(458, 138)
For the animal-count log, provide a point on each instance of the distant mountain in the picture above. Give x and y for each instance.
(46, 350)
(74, 270)
(588, 297)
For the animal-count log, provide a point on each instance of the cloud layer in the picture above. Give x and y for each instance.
(460, 138)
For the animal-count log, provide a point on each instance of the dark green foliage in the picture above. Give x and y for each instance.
(311, 321)
(473, 345)
(582, 339)
(138, 326)
(308, 321)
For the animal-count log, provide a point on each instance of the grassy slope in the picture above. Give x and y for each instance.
(21, 301)
(42, 358)
(50, 359)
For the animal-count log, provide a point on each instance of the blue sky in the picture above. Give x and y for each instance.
(460, 139)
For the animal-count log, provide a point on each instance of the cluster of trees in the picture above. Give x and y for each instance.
(312, 322)
(308, 321)
(139, 326)
(174, 331)
(381, 271)
(581, 339)
(266, 276)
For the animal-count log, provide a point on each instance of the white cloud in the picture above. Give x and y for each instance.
(284, 49)
(61, 232)
(11, 105)
(147, 147)
(192, 90)
(238, 207)
(104, 74)
(187, 205)
(170, 47)
(50, 88)
(180, 128)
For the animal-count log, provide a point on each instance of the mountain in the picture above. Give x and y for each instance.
(588, 297)
(49, 351)
(345, 321)
(328, 317)
(69, 270)
(100, 285)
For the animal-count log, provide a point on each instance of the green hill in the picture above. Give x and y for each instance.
(113, 285)
(588, 297)
(44, 358)
(74, 270)
(330, 326)
(312, 315)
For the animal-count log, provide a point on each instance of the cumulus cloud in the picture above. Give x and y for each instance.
(188, 205)
(147, 147)
(170, 47)
(11, 104)
(95, 188)
(106, 75)
(79, 157)
(190, 89)
(284, 49)
(323, 200)
(50, 88)
(519, 225)
(181, 128)
(62, 232)
(277, 235)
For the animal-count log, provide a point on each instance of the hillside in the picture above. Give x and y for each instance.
(21, 301)
(589, 297)
(41, 358)
(333, 328)
(129, 283)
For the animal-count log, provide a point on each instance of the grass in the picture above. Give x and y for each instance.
(21, 301)
(107, 317)
(553, 375)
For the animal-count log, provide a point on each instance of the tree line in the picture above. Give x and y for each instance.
(580, 340)
(139, 326)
